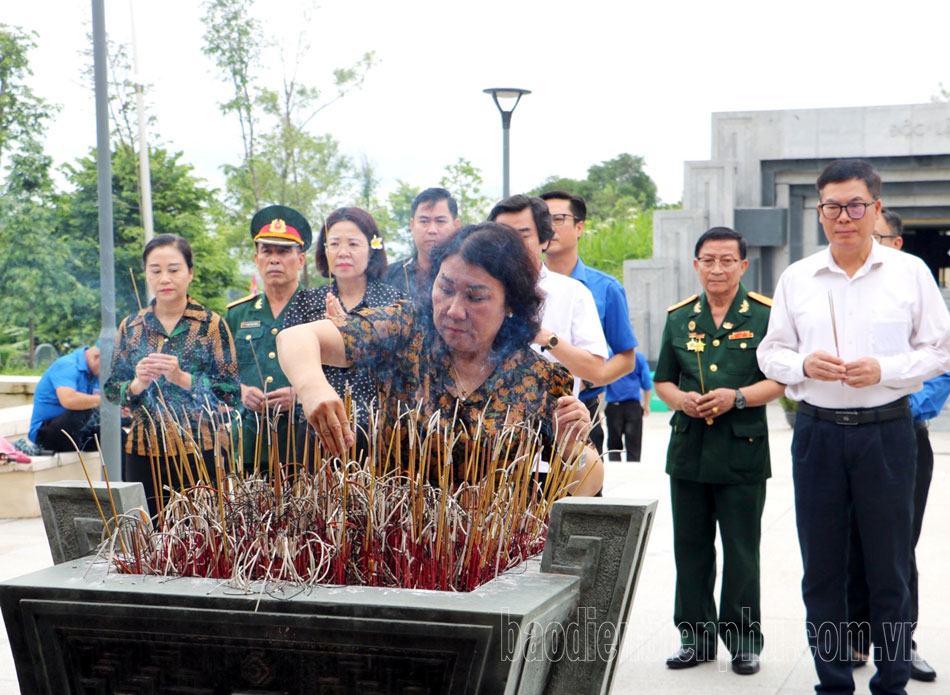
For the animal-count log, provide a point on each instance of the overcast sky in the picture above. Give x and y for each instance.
(606, 77)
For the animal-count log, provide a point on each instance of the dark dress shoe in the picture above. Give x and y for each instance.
(920, 670)
(745, 663)
(687, 657)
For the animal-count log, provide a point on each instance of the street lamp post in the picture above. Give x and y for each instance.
(509, 96)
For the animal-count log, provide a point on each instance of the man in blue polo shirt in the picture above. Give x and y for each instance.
(568, 213)
(67, 398)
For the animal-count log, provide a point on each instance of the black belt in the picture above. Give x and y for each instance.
(859, 416)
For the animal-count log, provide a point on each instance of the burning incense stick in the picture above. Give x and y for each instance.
(138, 300)
(697, 345)
(834, 325)
(355, 522)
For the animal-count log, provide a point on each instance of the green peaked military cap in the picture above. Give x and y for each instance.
(282, 226)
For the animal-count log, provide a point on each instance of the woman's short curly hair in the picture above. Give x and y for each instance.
(499, 251)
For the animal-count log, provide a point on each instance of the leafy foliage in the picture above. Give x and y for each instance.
(606, 244)
(612, 188)
(182, 205)
(620, 198)
(283, 161)
(464, 182)
(23, 115)
(400, 212)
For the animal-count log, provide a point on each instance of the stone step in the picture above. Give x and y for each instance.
(15, 421)
(18, 480)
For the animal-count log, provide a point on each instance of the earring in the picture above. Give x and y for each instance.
(511, 314)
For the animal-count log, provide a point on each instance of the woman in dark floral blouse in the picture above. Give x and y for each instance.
(350, 251)
(465, 354)
(174, 356)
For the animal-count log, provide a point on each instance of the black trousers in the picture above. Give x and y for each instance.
(138, 469)
(624, 423)
(858, 605)
(865, 473)
(82, 426)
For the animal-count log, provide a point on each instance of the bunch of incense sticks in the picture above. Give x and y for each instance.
(437, 514)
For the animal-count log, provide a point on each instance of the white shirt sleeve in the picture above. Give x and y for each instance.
(929, 353)
(586, 331)
(778, 354)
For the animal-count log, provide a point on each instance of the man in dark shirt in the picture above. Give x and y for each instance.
(434, 219)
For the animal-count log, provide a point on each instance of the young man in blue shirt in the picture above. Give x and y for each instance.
(568, 213)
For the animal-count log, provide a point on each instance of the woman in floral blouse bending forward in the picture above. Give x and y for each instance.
(465, 354)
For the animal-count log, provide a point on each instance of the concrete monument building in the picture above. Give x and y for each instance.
(761, 182)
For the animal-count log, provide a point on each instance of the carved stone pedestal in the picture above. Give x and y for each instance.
(550, 626)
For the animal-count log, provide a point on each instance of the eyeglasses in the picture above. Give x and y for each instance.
(560, 219)
(727, 263)
(832, 211)
(880, 237)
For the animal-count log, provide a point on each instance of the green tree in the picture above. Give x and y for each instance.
(464, 182)
(233, 41)
(400, 212)
(36, 291)
(607, 243)
(39, 292)
(23, 115)
(123, 104)
(613, 189)
(182, 205)
(283, 161)
(620, 198)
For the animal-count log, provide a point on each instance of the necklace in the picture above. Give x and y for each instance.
(464, 395)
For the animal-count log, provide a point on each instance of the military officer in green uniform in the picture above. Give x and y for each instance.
(718, 456)
(281, 235)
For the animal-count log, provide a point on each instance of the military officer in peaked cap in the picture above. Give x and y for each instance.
(718, 456)
(281, 235)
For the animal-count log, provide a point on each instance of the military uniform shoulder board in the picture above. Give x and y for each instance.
(242, 300)
(686, 301)
(760, 298)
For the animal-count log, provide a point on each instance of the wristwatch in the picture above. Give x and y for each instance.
(551, 344)
(740, 400)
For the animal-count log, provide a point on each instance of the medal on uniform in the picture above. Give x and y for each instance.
(727, 325)
(691, 325)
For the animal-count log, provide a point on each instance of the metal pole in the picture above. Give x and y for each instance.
(109, 423)
(145, 179)
(505, 187)
(505, 157)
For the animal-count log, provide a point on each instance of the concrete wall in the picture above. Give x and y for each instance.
(766, 162)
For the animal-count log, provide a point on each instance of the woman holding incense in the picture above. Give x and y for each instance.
(463, 355)
(350, 252)
(174, 365)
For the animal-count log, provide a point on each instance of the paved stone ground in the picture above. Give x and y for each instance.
(786, 665)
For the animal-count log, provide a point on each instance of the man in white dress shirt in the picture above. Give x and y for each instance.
(570, 325)
(854, 330)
